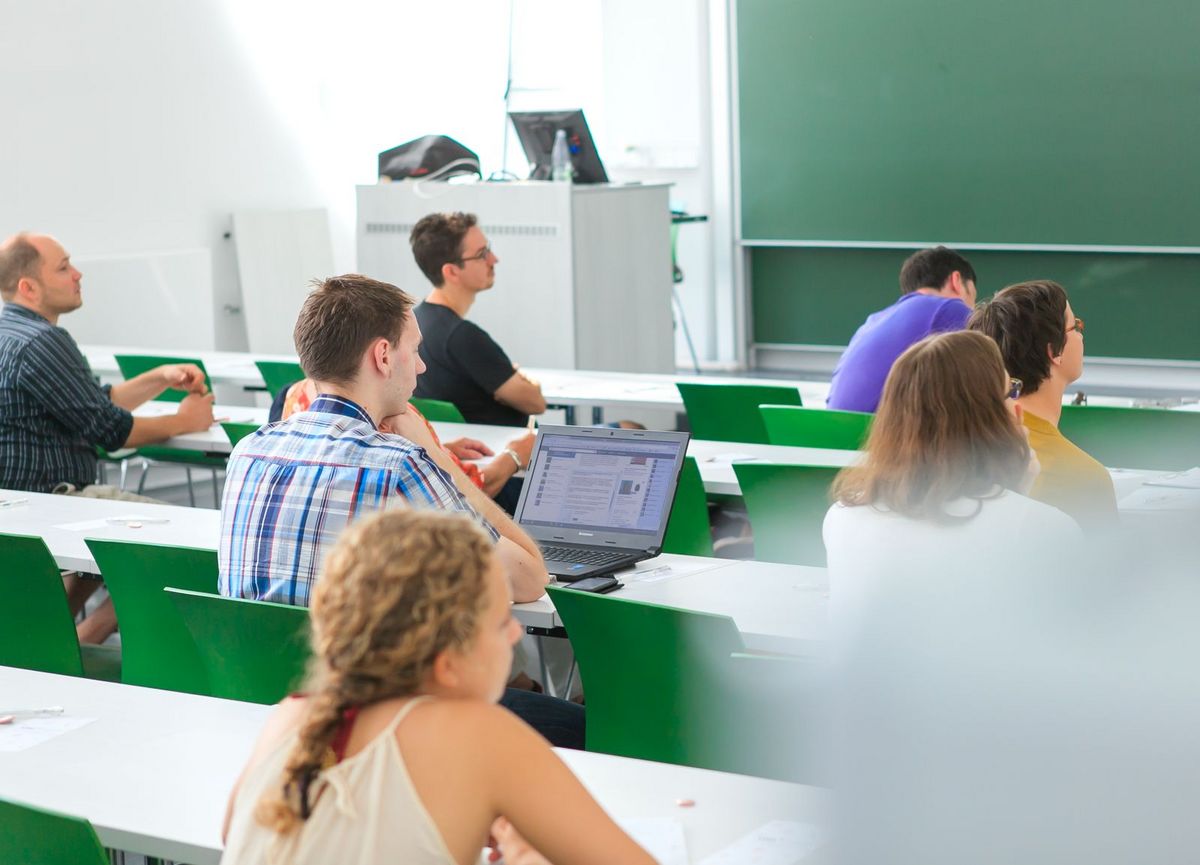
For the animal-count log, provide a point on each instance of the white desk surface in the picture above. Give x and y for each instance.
(713, 458)
(154, 770)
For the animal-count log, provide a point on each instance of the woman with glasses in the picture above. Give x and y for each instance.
(941, 486)
(396, 752)
(1041, 341)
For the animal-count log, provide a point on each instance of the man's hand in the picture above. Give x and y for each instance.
(515, 849)
(524, 447)
(183, 376)
(468, 449)
(196, 412)
(409, 425)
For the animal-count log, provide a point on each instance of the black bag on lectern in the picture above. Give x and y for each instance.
(433, 156)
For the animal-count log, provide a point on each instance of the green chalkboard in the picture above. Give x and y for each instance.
(1022, 121)
(1134, 305)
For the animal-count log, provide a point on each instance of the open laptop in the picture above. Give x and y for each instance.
(596, 499)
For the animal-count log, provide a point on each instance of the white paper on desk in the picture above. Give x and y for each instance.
(780, 842)
(726, 459)
(666, 572)
(1156, 498)
(25, 733)
(1189, 480)
(83, 526)
(662, 838)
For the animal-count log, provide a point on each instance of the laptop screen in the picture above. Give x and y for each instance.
(585, 482)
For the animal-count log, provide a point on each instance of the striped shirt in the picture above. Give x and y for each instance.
(293, 486)
(52, 412)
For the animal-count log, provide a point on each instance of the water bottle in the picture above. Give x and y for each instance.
(560, 158)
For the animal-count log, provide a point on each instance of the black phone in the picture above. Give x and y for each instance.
(601, 585)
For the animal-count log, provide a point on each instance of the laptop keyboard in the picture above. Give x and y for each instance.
(583, 557)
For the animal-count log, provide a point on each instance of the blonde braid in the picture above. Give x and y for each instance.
(397, 589)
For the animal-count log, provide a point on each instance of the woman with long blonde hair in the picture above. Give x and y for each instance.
(397, 751)
(940, 490)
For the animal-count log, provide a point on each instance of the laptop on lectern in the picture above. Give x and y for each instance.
(597, 499)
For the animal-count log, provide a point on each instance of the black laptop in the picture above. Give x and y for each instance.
(596, 499)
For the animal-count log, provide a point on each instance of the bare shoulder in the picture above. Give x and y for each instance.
(469, 724)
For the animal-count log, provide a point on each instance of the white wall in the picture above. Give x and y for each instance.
(140, 125)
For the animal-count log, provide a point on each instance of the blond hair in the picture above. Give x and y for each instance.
(942, 432)
(397, 589)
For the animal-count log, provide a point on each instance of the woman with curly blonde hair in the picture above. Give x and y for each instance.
(397, 751)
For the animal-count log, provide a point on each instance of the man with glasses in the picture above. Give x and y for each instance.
(464, 365)
(1041, 340)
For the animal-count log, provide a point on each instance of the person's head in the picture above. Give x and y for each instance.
(939, 270)
(945, 430)
(1037, 332)
(354, 331)
(451, 249)
(408, 603)
(36, 272)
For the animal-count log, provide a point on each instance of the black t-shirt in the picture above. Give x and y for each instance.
(463, 365)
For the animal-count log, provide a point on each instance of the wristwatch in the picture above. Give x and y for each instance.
(515, 458)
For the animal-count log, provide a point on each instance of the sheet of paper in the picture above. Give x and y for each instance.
(647, 572)
(780, 842)
(1158, 498)
(1189, 480)
(84, 526)
(726, 459)
(662, 838)
(23, 734)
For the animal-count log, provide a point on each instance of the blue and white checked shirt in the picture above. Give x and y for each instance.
(293, 486)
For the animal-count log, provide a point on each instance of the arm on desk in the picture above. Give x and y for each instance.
(194, 415)
(184, 376)
(521, 393)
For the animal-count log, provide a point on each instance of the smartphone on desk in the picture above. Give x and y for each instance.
(601, 585)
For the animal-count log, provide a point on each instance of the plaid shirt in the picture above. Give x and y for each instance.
(293, 486)
(52, 412)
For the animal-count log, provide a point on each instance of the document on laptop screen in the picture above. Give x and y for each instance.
(617, 485)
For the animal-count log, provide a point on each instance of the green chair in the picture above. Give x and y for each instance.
(729, 412)
(1135, 438)
(786, 505)
(642, 667)
(438, 410)
(156, 647)
(238, 431)
(278, 374)
(251, 650)
(37, 631)
(688, 530)
(132, 365)
(816, 427)
(35, 836)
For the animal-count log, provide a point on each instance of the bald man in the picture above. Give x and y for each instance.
(53, 415)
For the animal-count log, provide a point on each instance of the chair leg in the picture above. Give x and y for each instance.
(216, 491)
(124, 472)
(687, 334)
(145, 472)
(546, 683)
(101, 472)
(191, 489)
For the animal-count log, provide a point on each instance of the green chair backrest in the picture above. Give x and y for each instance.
(238, 431)
(278, 374)
(157, 649)
(643, 669)
(251, 650)
(37, 631)
(1135, 438)
(816, 427)
(786, 505)
(438, 410)
(132, 365)
(688, 529)
(729, 412)
(35, 836)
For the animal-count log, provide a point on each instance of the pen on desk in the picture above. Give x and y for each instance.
(8, 503)
(16, 714)
(532, 425)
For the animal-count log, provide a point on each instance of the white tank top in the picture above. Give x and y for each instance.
(368, 812)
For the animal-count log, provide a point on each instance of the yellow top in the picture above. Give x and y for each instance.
(1070, 480)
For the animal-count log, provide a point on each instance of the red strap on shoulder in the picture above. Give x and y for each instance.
(342, 737)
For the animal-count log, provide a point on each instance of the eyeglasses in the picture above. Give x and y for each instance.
(1077, 326)
(1014, 388)
(482, 255)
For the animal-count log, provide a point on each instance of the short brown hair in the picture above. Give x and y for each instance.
(942, 432)
(340, 318)
(930, 268)
(1024, 319)
(19, 259)
(437, 240)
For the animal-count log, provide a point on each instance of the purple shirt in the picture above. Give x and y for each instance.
(859, 376)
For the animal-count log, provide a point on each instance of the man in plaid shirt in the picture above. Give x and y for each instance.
(293, 486)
